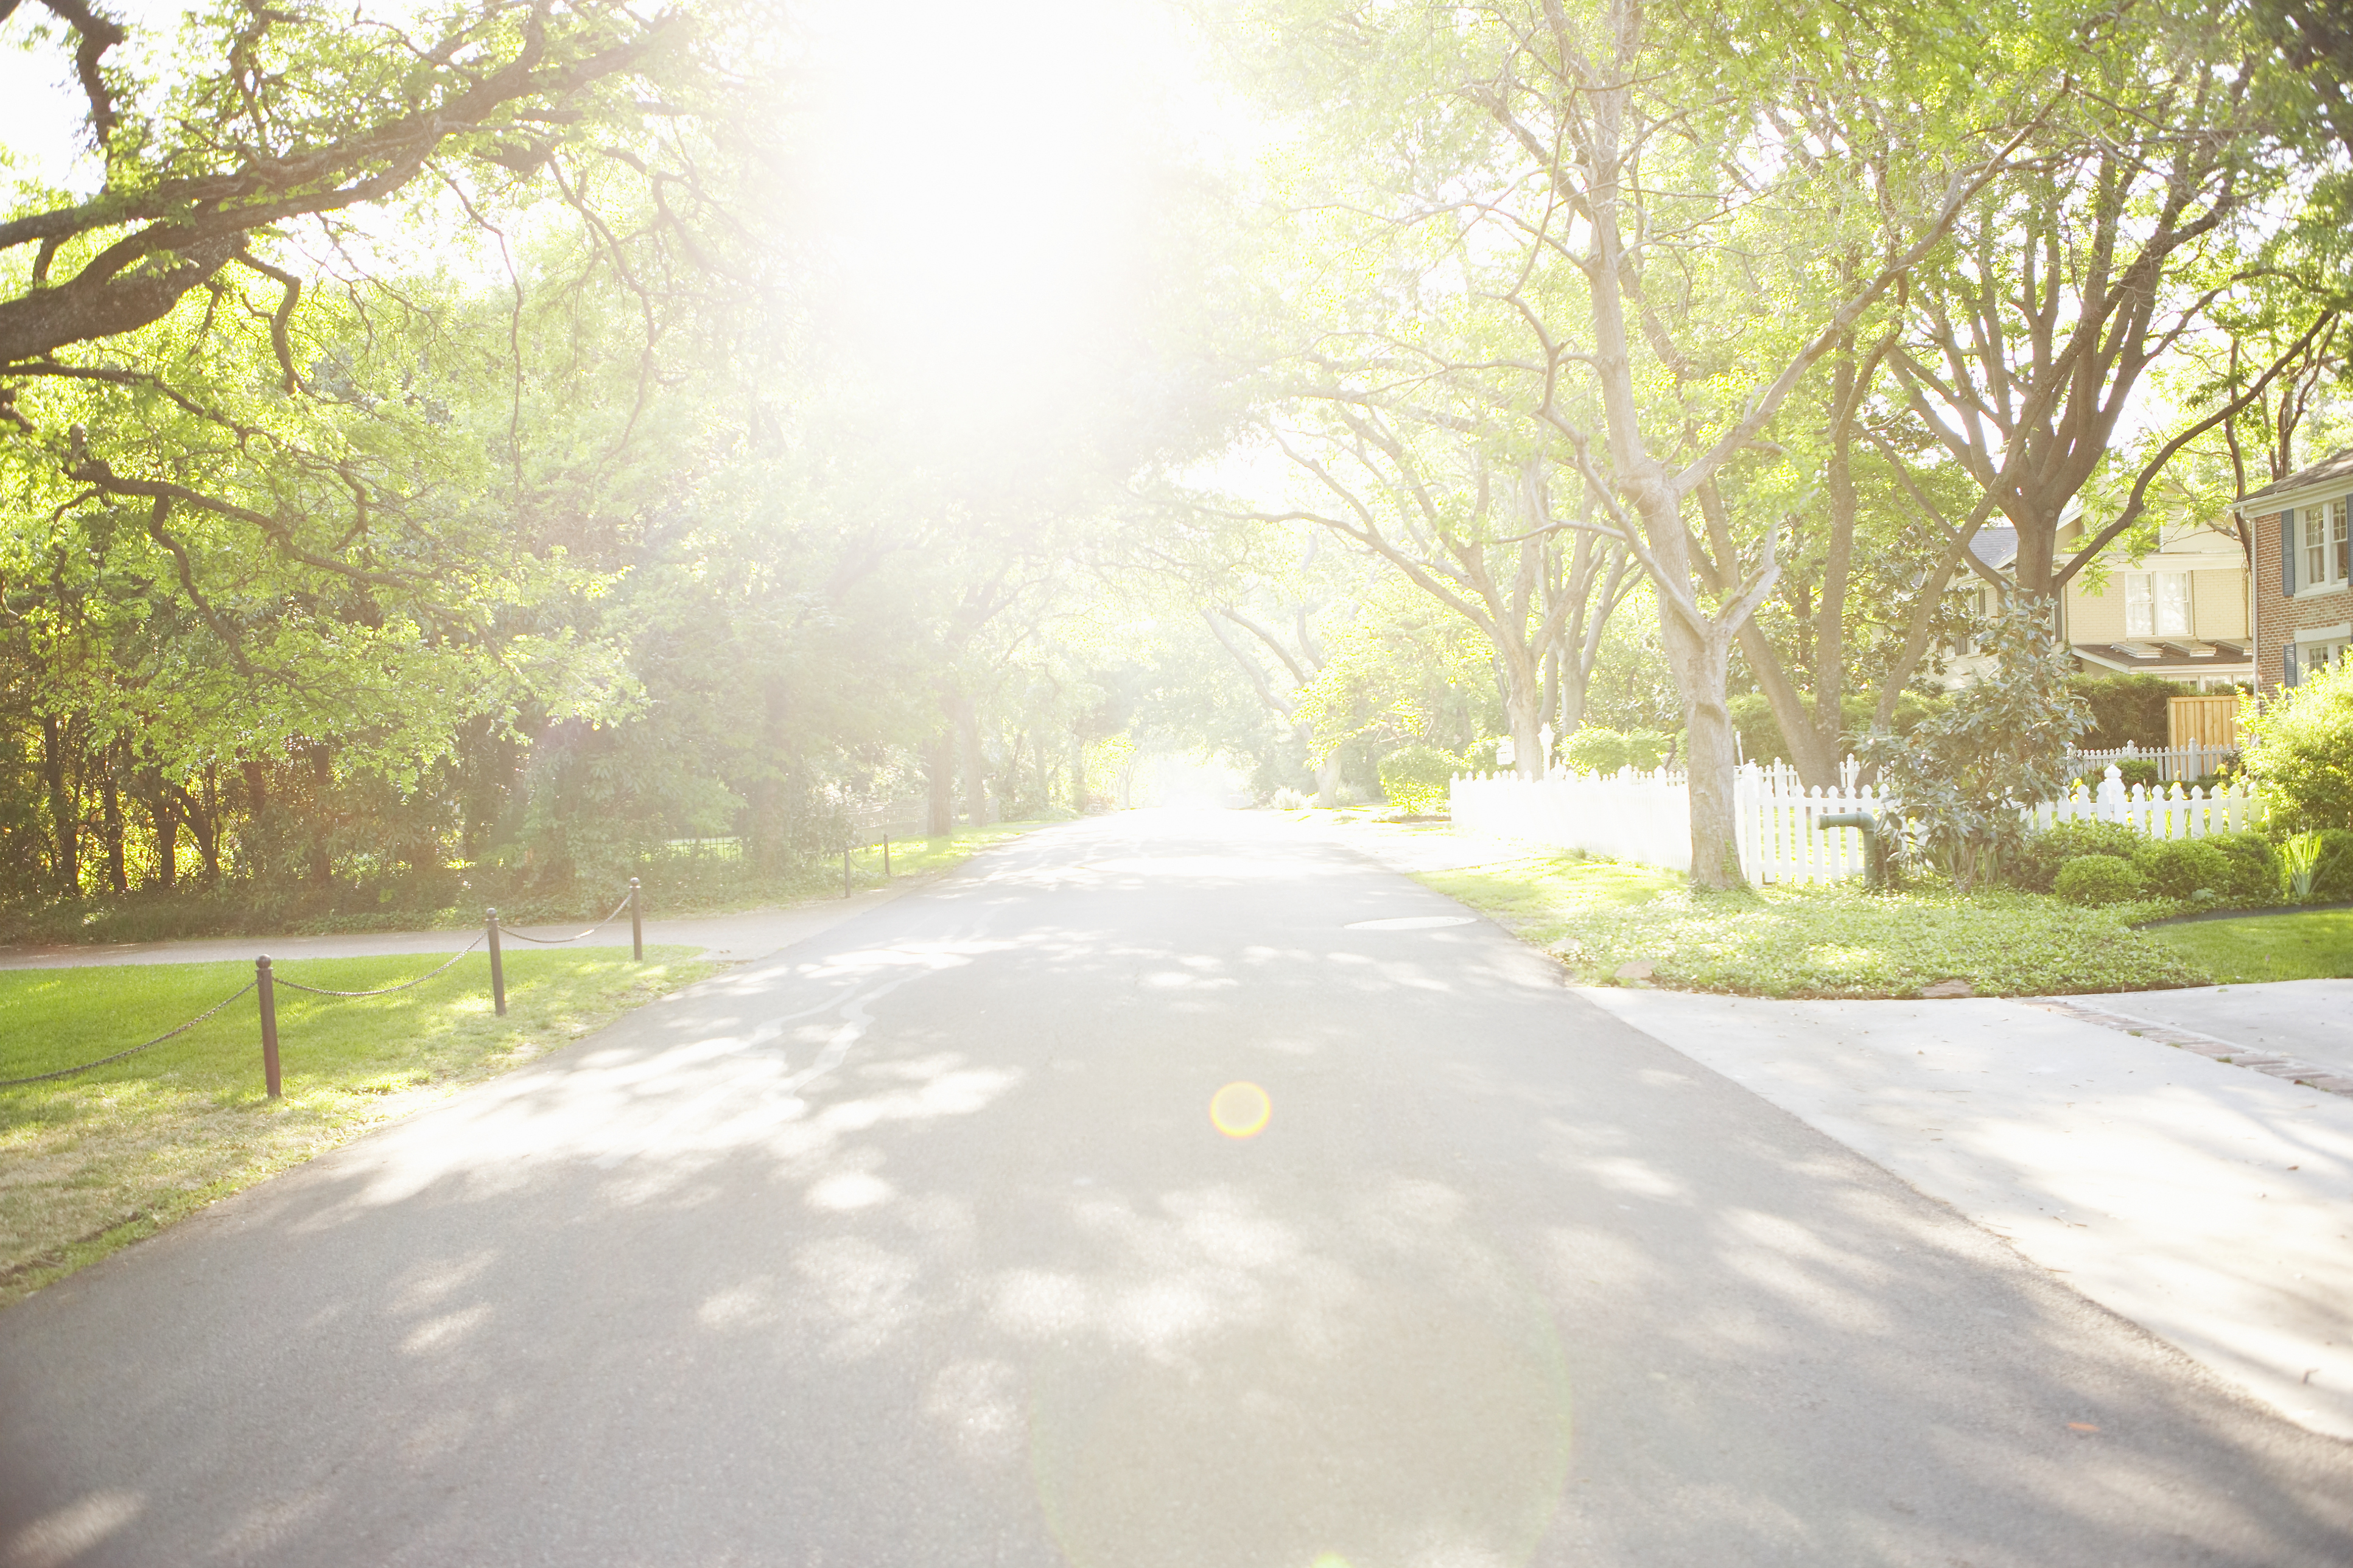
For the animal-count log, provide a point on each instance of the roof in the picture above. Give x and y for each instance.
(1997, 547)
(2340, 467)
(2169, 656)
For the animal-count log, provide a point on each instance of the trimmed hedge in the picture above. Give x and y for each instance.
(2034, 865)
(2098, 879)
(2183, 867)
(1415, 778)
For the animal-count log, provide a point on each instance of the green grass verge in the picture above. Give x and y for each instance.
(1814, 942)
(2315, 944)
(453, 900)
(92, 1163)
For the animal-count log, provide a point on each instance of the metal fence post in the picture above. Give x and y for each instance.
(498, 970)
(637, 925)
(269, 1023)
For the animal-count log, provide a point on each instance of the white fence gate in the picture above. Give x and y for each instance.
(1645, 818)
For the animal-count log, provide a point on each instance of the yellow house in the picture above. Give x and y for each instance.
(2180, 612)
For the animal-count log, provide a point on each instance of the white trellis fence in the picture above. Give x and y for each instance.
(1645, 818)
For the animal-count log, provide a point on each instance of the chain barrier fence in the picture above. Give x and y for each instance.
(266, 980)
(167, 1035)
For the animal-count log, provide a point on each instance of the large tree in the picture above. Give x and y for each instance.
(1669, 215)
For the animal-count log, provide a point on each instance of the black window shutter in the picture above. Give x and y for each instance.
(2287, 553)
(2287, 664)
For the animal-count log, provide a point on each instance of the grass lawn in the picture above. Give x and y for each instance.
(2312, 944)
(1813, 941)
(917, 856)
(674, 889)
(92, 1163)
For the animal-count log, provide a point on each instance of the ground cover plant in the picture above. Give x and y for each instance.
(1598, 917)
(1846, 942)
(2302, 944)
(92, 1163)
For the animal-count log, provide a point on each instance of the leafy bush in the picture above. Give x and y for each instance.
(2126, 709)
(2098, 879)
(2131, 771)
(1960, 777)
(2034, 865)
(1648, 749)
(2254, 868)
(2298, 745)
(1415, 778)
(2332, 876)
(2181, 867)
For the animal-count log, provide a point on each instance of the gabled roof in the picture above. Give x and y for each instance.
(1997, 547)
(2340, 467)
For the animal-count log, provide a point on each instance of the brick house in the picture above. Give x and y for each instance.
(2304, 589)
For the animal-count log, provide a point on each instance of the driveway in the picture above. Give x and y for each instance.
(916, 1242)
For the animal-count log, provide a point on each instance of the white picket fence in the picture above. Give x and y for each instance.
(2173, 763)
(1645, 818)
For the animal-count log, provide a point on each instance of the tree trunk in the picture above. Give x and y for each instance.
(111, 802)
(1521, 674)
(322, 796)
(65, 823)
(939, 772)
(168, 843)
(205, 826)
(1815, 760)
(976, 777)
(1699, 664)
(1327, 772)
(1078, 774)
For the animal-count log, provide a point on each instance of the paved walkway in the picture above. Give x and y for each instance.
(2309, 1019)
(731, 938)
(2210, 1204)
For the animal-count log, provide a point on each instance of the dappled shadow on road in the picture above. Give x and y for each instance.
(919, 1245)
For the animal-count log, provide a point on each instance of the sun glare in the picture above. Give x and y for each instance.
(978, 171)
(1240, 1109)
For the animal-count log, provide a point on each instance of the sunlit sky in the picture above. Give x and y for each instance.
(981, 173)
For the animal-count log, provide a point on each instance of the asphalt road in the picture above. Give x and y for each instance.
(916, 1244)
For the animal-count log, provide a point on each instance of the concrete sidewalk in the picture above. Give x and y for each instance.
(731, 938)
(2309, 1019)
(2210, 1204)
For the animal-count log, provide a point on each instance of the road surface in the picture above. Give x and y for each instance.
(916, 1244)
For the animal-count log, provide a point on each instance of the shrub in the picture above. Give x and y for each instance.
(2126, 709)
(2131, 771)
(2034, 865)
(1648, 749)
(2298, 745)
(2098, 879)
(2254, 868)
(1595, 748)
(2180, 868)
(1415, 778)
(1957, 778)
(2332, 876)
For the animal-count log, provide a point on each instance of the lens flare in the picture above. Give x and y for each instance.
(1240, 1110)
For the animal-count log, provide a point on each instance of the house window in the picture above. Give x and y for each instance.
(2326, 545)
(2317, 656)
(2156, 603)
(2173, 604)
